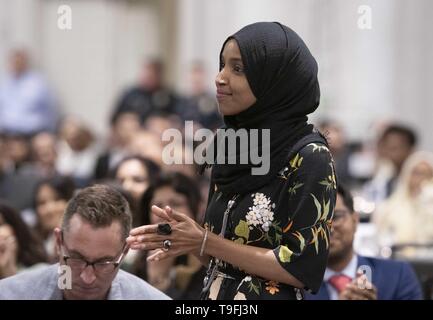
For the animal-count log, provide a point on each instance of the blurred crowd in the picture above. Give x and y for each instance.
(392, 183)
(45, 156)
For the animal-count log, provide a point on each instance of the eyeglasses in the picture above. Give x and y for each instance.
(339, 216)
(100, 267)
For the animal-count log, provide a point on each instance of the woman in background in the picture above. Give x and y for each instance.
(19, 248)
(135, 174)
(407, 216)
(50, 200)
(177, 277)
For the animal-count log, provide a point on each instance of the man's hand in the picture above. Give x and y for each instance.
(359, 289)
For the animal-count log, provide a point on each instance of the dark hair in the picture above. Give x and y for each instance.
(63, 185)
(181, 184)
(346, 196)
(407, 132)
(30, 248)
(117, 114)
(153, 170)
(155, 63)
(99, 205)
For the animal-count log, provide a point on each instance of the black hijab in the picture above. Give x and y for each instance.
(282, 75)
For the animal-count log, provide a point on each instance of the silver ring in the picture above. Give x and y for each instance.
(166, 244)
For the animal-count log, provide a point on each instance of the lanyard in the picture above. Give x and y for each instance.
(212, 270)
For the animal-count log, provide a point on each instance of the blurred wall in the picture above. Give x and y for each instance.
(365, 75)
(89, 65)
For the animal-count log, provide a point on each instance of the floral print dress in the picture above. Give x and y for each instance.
(291, 215)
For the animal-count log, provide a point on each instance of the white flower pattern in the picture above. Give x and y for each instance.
(261, 213)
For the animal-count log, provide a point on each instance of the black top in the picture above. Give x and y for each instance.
(290, 215)
(145, 103)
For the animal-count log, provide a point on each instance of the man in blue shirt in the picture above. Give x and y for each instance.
(26, 103)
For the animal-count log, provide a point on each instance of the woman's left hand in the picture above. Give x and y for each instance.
(186, 235)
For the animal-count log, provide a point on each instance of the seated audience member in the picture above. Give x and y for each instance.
(16, 181)
(44, 154)
(334, 132)
(406, 217)
(91, 245)
(78, 151)
(177, 277)
(17, 149)
(395, 145)
(379, 280)
(50, 199)
(19, 248)
(177, 158)
(135, 174)
(148, 145)
(150, 95)
(27, 104)
(199, 105)
(42, 166)
(124, 126)
(158, 123)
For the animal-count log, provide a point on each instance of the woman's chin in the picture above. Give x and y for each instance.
(225, 110)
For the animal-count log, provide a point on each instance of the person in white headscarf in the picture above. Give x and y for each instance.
(407, 216)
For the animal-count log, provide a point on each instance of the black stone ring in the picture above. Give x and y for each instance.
(166, 244)
(163, 229)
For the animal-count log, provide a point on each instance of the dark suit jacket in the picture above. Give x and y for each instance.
(394, 280)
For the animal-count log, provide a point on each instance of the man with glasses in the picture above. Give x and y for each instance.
(349, 276)
(91, 246)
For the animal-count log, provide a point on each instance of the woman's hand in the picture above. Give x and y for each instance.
(186, 235)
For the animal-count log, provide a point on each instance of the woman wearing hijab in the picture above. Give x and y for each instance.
(265, 236)
(406, 218)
